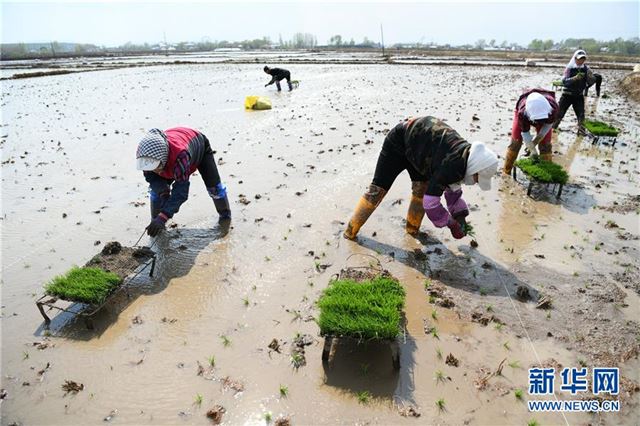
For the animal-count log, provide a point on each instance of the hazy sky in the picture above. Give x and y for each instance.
(117, 22)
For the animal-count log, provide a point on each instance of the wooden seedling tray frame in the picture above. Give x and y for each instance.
(331, 342)
(89, 310)
(533, 181)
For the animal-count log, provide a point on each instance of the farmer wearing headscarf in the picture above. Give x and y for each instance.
(438, 160)
(577, 77)
(537, 108)
(167, 159)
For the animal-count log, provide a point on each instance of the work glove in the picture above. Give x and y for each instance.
(456, 228)
(156, 225)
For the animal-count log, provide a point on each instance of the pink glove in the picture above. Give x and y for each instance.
(456, 204)
(455, 228)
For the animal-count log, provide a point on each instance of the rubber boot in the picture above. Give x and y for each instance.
(290, 85)
(546, 156)
(510, 158)
(156, 201)
(221, 201)
(415, 214)
(367, 204)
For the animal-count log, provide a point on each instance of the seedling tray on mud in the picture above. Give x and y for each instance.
(95, 284)
(543, 173)
(601, 132)
(362, 305)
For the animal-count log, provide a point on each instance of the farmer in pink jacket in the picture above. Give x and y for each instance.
(167, 159)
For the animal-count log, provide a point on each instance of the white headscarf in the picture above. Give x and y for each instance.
(537, 107)
(572, 63)
(482, 161)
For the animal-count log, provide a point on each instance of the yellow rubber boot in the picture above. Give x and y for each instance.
(415, 214)
(367, 204)
(509, 159)
(546, 156)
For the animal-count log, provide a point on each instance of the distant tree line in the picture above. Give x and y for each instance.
(590, 45)
(308, 41)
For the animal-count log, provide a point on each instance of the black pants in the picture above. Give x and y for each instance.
(207, 167)
(566, 100)
(598, 83)
(287, 76)
(392, 161)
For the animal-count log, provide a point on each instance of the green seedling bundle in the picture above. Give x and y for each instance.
(598, 128)
(364, 310)
(84, 285)
(543, 171)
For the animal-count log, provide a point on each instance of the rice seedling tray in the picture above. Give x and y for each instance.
(83, 291)
(602, 132)
(361, 305)
(541, 172)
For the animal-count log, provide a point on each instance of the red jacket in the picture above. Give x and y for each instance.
(179, 139)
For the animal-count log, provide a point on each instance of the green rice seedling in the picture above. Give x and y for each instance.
(245, 301)
(498, 326)
(533, 422)
(518, 394)
(297, 359)
(198, 400)
(226, 342)
(543, 171)
(440, 404)
(434, 314)
(467, 228)
(267, 259)
(427, 283)
(514, 364)
(598, 128)
(506, 346)
(432, 299)
(268, 417)
(25, 355)
(439, 353)
(366, 310)
(284, 391)
(439, 376)
(364, 397)
(212, 361)
(434, 333)
(489, 308)
(483, 291)
(84, 285)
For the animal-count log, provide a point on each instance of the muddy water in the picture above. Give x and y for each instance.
(228, 292)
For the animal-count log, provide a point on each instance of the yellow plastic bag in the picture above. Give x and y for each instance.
(257, 102)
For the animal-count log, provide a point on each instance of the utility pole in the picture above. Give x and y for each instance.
(382, 38)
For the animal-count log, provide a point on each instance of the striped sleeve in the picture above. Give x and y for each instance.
(182, 167)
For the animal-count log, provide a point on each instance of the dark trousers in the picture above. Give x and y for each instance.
(392, 162)
(566, 100)
(207, 168)
(287, 76)
(598, 83)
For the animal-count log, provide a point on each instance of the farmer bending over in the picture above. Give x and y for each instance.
(278, 74)
(167, 159)
(537, 108)
(438, 160)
